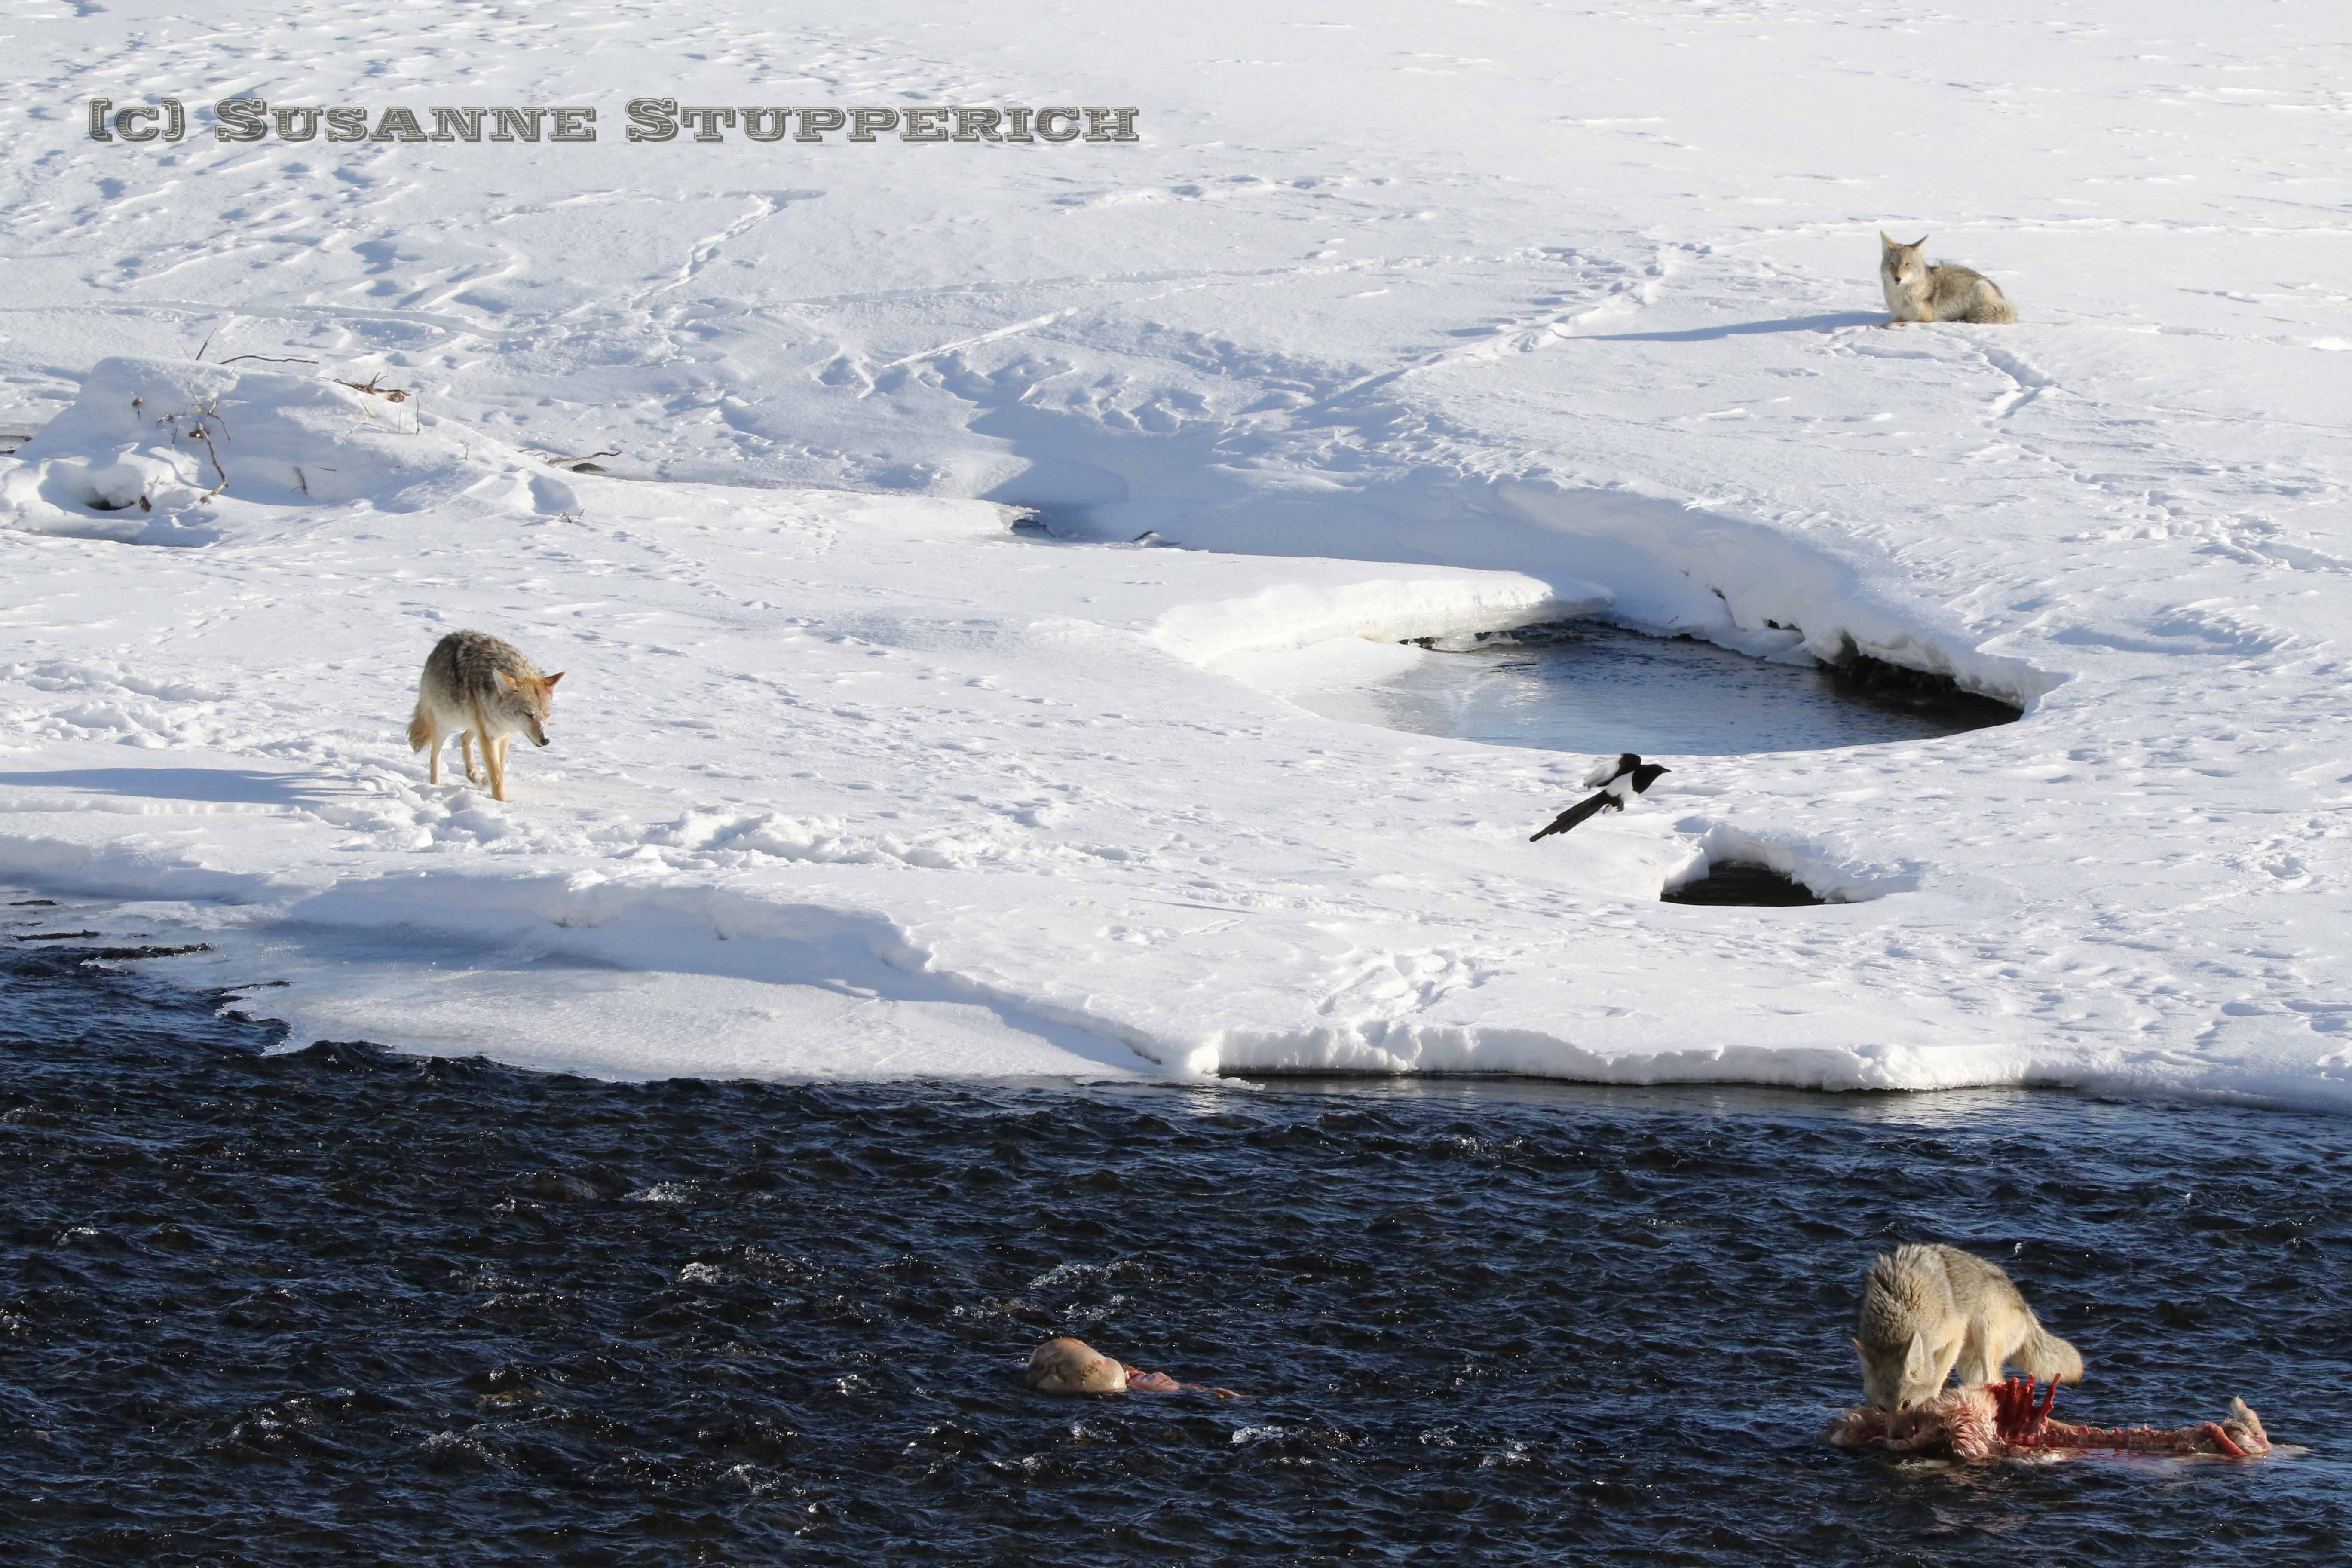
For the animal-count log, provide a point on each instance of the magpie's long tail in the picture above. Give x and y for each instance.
(1576, 814)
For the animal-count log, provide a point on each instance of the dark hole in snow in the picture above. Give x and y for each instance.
(1592, 687)
(1032, 524)
(1938, 698)
(1743, 882)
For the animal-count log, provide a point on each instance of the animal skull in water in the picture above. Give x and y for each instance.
(1073, 1366)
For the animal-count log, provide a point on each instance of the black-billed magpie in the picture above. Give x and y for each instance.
(1620, 782)
(1599, 774)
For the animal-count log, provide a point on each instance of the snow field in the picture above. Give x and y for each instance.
(1417, 321)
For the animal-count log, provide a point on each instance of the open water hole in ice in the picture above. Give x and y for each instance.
(1587, 686)
(338, 1306)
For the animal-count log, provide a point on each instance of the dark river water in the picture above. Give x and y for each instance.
(340, 1307)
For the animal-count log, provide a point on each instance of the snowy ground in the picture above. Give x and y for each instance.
(1502, 310)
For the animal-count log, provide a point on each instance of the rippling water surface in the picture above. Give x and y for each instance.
(336, 1306)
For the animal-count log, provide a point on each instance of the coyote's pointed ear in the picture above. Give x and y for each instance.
(1916, 1360)
(504, 678)
(1886, 242)
(1863, 1352)
(1917, 244)
(553, 678)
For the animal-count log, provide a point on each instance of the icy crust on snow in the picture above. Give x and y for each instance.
(1476, 311)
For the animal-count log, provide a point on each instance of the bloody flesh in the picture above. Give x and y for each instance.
(2004, 1420)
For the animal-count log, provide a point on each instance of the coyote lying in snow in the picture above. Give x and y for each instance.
(1917, 292)
(483, 690)
(1929, 1311)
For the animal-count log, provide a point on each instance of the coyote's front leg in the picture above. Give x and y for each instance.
(493, 755)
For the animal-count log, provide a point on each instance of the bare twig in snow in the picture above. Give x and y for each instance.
(198, 432)
(389, 393)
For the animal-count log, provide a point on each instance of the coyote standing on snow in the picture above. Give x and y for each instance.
(1917, 292)
(483, 690)
(1927, 1312)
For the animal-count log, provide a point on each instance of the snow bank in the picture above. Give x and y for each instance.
(824, 738)
(1489, 315)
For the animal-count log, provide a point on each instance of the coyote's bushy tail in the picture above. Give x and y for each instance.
(420, 732)
(1993, 309)
(2046, 1355)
